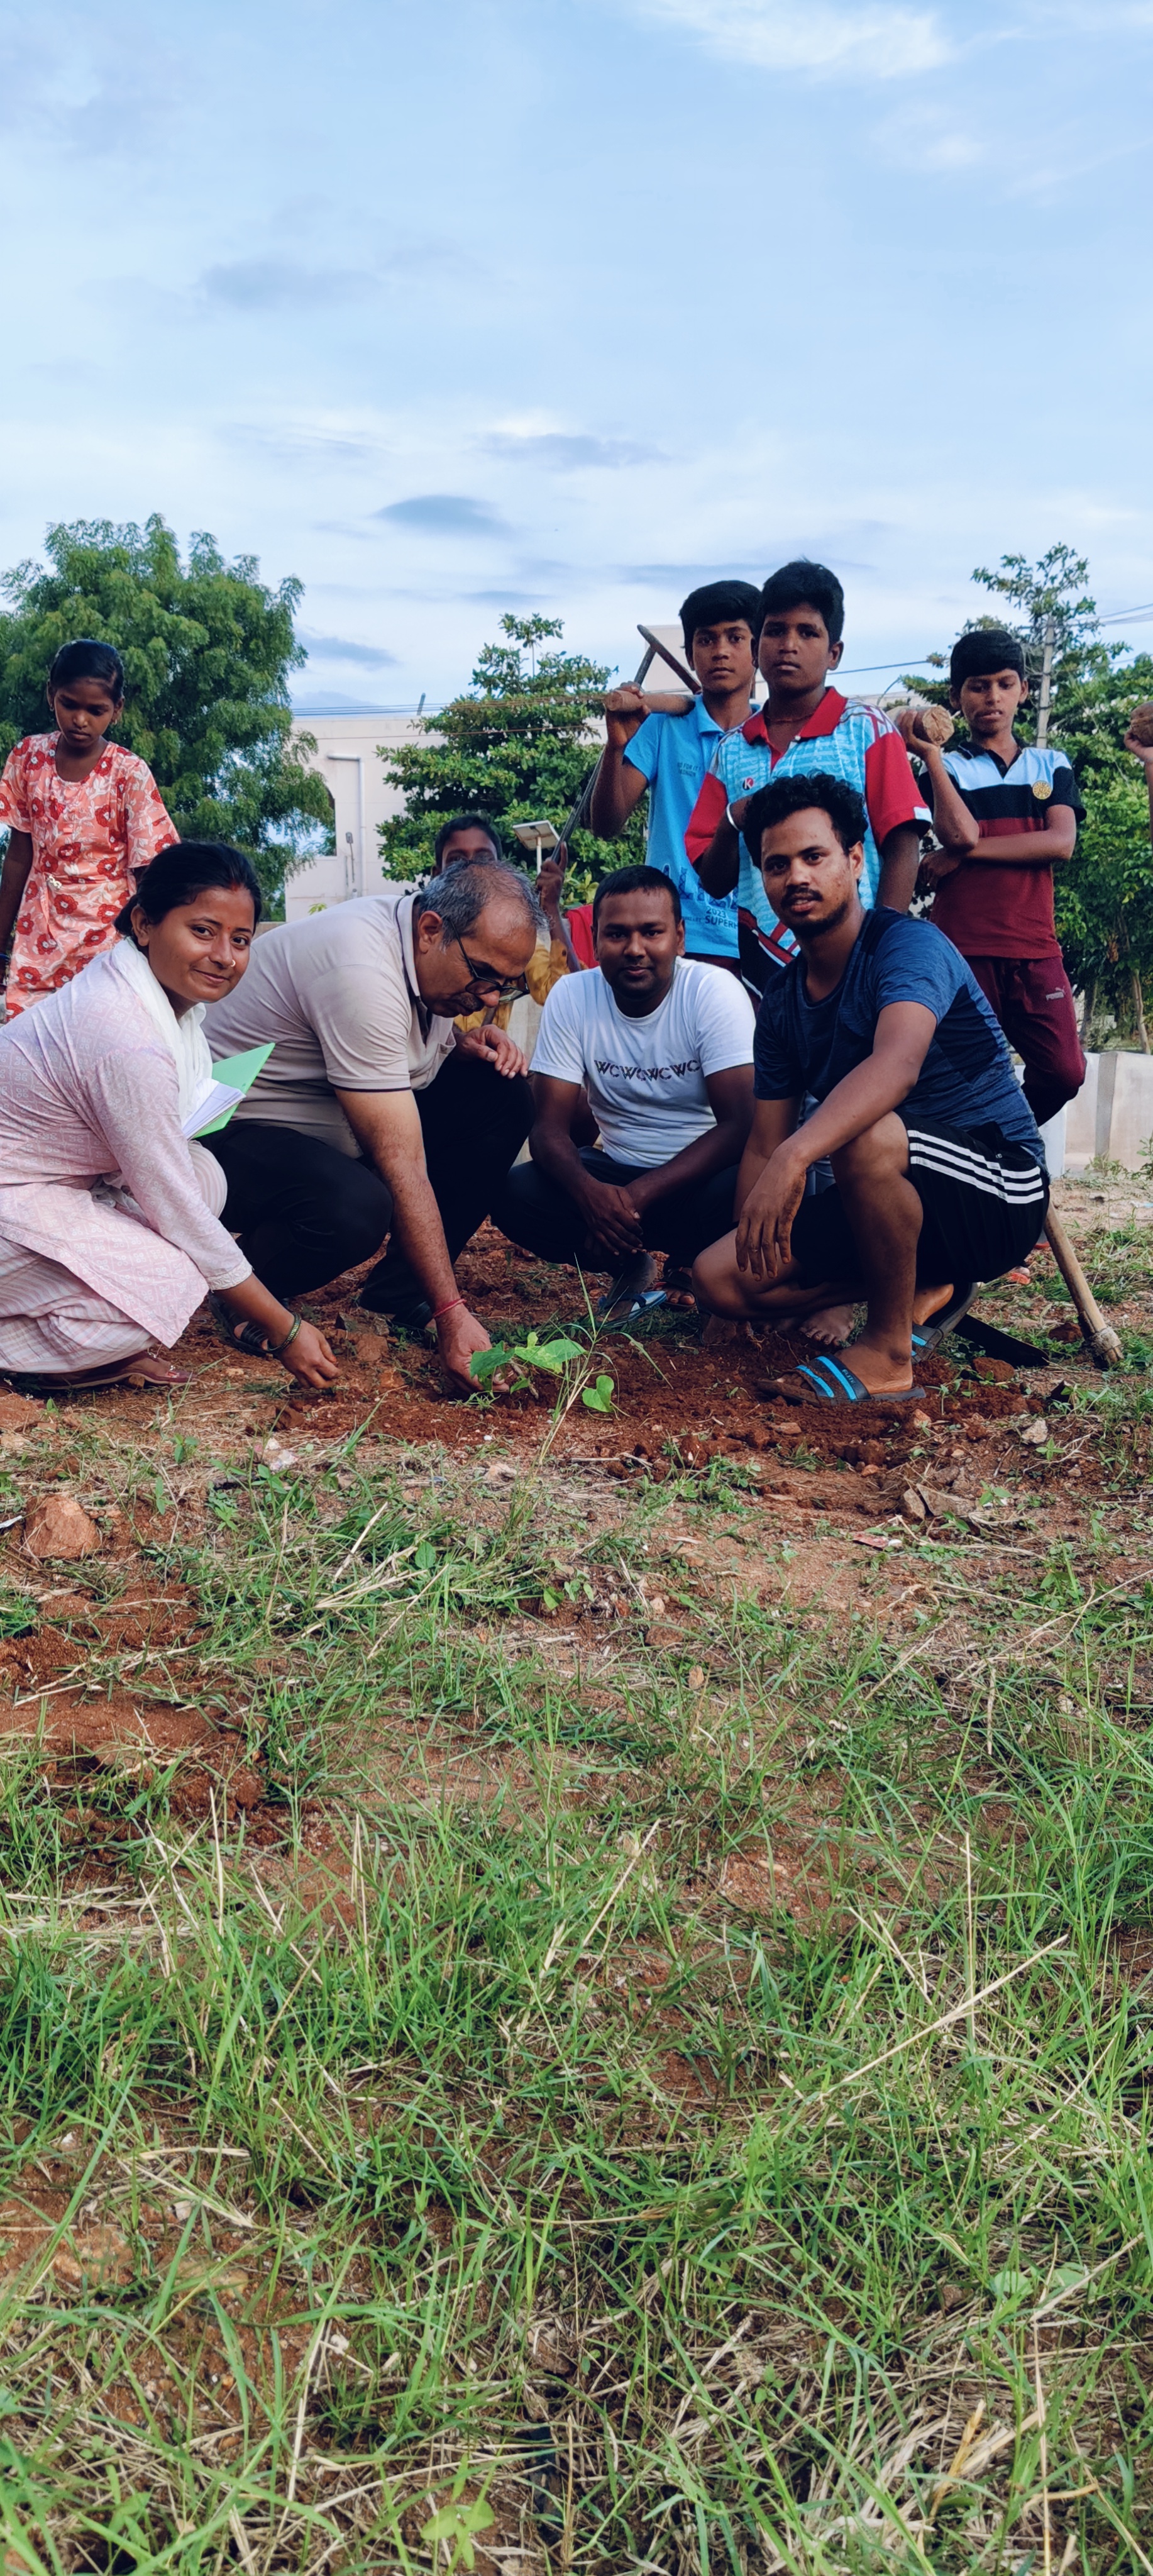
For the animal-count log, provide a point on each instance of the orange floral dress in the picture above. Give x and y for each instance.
(90, 837)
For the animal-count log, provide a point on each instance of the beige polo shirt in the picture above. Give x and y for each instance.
(337, 994)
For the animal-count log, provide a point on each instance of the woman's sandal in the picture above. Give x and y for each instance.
(140, 1370)
(833, 1383)
(247, 1337)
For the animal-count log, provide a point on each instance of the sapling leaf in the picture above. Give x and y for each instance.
(485, 1364)
(599, 1398)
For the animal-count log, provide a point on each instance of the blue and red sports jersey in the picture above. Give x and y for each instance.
(844, 738)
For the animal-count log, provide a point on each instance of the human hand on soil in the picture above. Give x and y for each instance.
(309, 1358)
(458, 1335)
(765, 1231)
(612, 1218)
(495, 1048)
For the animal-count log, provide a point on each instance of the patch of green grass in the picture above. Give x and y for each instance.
(652, 2097)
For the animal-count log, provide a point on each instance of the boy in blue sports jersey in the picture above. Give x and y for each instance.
(670, 754)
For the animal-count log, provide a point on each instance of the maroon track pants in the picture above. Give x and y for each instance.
(1033, 1000)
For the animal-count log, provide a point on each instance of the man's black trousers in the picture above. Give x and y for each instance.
(305, 1212)
(533, 1210)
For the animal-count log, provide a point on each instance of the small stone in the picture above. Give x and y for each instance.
(913, 1504)
(1034, 1434)
(102, 2260)
(57, 1526)
(696, 1677)
(922, 1422)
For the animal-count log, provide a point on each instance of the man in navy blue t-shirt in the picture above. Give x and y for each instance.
(938, 1167)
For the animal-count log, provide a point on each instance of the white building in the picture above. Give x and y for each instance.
(347, 758)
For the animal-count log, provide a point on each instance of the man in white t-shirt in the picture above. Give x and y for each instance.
(663, 1050)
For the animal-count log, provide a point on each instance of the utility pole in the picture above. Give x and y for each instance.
(1048, 640)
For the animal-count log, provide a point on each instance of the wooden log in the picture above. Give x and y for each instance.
(1100, 1336)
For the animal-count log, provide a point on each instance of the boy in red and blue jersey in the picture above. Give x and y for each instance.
(1005, 813)
(805, 726)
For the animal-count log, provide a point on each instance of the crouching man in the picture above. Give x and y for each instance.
(660, 1049)
(938, 1167)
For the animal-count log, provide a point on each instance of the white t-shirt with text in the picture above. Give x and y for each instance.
(645, 1078)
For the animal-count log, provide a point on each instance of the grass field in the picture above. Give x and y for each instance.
(655, 2075)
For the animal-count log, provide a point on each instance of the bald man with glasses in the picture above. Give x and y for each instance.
(373, 1115)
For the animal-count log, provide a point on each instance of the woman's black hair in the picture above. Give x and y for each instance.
(87, 660)
(181, 872)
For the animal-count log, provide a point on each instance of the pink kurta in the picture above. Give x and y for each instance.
(88, 1095)
(90, 837)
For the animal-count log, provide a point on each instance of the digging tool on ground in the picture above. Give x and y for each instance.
(1100, 1336)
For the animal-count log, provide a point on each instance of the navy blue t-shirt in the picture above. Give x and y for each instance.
(967, 1078)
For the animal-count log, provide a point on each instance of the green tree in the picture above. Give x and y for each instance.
(207, 648)
(1104, 896)
(518, 746)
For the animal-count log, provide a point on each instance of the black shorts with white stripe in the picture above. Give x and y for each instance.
(984, 1200)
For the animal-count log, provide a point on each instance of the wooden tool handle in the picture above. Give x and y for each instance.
(1100, 1336)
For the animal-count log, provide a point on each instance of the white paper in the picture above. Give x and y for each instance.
(218, 1097)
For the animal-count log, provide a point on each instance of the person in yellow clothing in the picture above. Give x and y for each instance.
(472, 840)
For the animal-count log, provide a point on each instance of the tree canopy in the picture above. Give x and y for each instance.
(1104, 896)
(207, 648)
(516, 746)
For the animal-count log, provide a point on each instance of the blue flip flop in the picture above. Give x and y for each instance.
(925, 1337)
(645, 1303)
(836, 1384)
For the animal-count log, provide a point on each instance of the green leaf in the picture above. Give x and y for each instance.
(425, 1556)
(456, 2523)
(599, 1398)
(485, 1364)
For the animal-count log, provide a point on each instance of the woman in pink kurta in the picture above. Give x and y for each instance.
(110, 1232)
(85, 818)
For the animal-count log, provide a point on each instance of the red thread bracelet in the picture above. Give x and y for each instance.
(438, 1311)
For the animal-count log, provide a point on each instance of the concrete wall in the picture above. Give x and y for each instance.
(1112, 1116)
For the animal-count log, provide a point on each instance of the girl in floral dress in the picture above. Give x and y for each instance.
(85, 817)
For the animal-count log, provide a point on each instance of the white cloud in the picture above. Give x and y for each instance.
(881, 42)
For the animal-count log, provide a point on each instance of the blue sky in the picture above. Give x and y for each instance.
(565, 304)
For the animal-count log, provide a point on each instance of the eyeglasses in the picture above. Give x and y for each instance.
(484, 979)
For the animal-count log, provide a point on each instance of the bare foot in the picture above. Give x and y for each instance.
(929, 1301)
(678, 1286)
(829, 1325)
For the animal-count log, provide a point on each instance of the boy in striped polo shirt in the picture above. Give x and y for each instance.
(1005, 814)
(804, 726)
